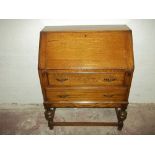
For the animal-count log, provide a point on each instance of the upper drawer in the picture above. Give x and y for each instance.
(85, 79)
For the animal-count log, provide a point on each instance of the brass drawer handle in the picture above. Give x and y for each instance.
(109, 79)
(108, 95)
(62, 80)
(63, 96)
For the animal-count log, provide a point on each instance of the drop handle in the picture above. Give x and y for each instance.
(63, 96)
(109, 79)
(62, 80)
(108, 95)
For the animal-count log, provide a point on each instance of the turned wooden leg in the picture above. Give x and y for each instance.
(122, 114)
(49, 115)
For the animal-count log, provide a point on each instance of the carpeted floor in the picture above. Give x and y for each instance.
(17, 119)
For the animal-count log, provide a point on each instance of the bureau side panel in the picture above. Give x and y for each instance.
(129, 53)
(42, 51)
(43, 82)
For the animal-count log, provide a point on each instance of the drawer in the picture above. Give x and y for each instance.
(86, 94)
(86, 79)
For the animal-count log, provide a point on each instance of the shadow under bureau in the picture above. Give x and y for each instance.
(86, 67)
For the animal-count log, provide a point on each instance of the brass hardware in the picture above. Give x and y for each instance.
(109, 79)
(108, 95)
(62, 80)
(63, 96)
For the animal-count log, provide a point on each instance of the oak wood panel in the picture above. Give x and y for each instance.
(42, 51)
(84, 70)
(129, 47)
(86, 50)
(86, 79)
(86, 94)
(74, 104)
(43, 82)
(128, 80)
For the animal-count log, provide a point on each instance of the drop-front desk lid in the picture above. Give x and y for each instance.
(86, 47)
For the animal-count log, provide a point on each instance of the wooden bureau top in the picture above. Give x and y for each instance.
(86, 47)
(85, 28)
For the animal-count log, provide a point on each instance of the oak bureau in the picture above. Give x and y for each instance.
(86, 67)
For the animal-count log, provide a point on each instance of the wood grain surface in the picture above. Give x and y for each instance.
(86, 94)
(86, 79)
(86, 66)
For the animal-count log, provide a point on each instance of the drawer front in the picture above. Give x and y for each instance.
(86, 79)
(86, 94)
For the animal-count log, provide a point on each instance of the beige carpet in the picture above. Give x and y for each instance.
(29, 120)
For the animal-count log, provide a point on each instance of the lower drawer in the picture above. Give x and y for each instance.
(86, 94)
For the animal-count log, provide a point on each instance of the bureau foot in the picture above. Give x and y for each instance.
(49, 115)
(121, 115)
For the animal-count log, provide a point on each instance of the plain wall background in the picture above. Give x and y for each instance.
(19, 42)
